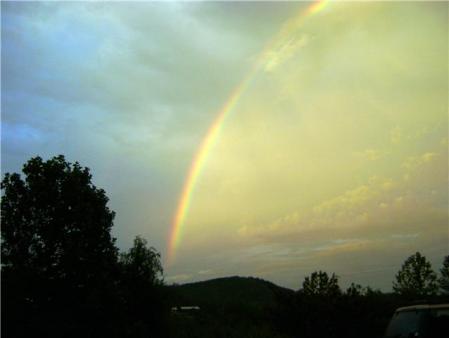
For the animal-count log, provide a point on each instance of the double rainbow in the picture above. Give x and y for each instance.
(276, 44)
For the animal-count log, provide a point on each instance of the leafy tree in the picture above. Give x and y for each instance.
(56, 222)
(319, 283)
(142, 263)
(144, 295)
(354, 290)
(444, 279)
(416, 277)
(58, 256)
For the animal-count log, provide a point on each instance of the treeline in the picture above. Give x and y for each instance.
(318, 309)
(62, 275)
(322, 309)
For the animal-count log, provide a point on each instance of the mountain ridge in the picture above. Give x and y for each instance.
(250, 291)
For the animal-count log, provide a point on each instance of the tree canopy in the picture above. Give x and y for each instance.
(55, 222)
(61, 273)
(141, 284)
(319, 283)
(444, 278)
(416, 277)
(142, 263)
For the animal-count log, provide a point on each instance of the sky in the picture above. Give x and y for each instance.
(243, 138)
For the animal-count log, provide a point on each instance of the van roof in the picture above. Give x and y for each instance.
(423, 307)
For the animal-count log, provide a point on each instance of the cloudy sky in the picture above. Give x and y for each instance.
(333, 154)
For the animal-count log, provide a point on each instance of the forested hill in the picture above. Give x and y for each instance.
(229, 290)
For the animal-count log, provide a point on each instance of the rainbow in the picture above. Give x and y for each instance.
(276, 44)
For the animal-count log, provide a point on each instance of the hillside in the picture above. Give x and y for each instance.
(229, 307)
(229, 291)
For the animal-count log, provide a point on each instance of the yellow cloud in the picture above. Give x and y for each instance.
(356, 197)
(371, 154)
(396, 135)
(414, 162)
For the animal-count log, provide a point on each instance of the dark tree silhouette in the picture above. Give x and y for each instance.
(416, 277)
(319, 283)
(354, 290)
(58, 257)
(56, 222)
(142, 287)
(444, 278)
(142, 263)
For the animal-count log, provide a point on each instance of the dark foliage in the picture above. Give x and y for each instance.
(416, 278)
(60, 270)
(143, 294)
(320, 284)
(444, 278)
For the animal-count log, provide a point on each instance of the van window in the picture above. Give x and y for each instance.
(404, 323)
